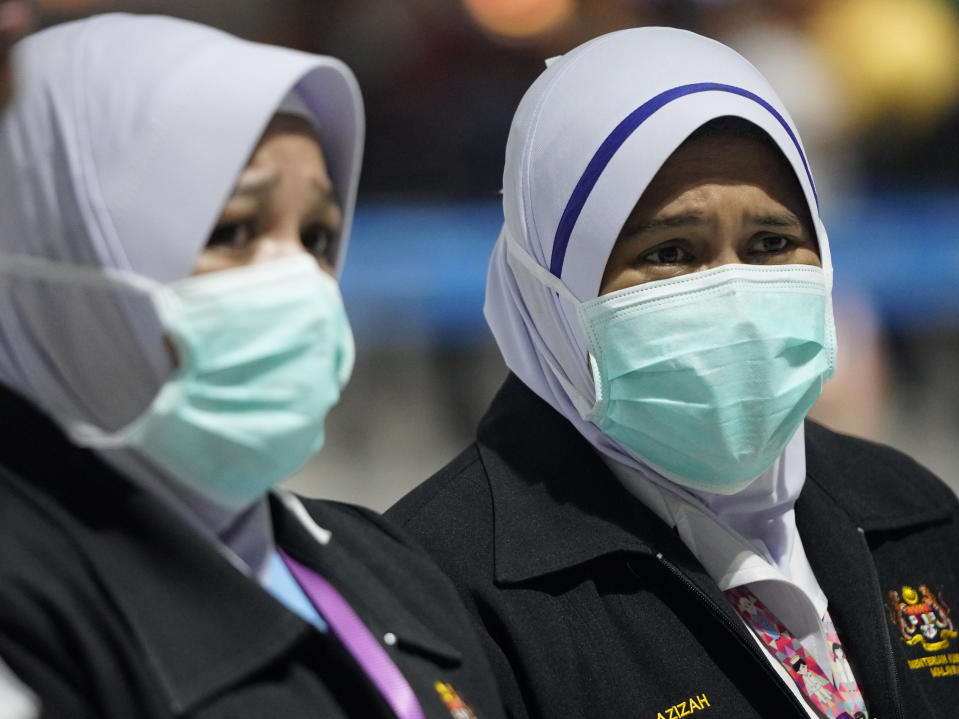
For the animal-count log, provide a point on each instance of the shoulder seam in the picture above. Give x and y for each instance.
(444, 483)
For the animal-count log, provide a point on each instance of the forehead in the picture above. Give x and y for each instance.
(288, 135)
(725, 159)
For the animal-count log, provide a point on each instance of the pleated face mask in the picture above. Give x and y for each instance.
(262, 353)
(707, 376)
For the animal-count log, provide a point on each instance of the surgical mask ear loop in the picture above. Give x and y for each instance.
(89, 435)
(551, 281)
(30, 266)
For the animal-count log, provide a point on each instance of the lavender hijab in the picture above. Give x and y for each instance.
(586, 140)
(123, 141)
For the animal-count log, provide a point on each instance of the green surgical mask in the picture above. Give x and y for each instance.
(707, 376)
(262, 354)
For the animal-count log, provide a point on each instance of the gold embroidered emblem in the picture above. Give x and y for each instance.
(458, 708)
(922, 618)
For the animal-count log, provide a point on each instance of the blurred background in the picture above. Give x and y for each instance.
(872, 84)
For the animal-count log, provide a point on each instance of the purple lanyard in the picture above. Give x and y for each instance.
(357, 639)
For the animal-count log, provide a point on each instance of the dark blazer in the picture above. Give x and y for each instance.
(592, 607)
(111, 606)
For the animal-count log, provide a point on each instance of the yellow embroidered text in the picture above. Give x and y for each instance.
(685, 708)
(939, 665)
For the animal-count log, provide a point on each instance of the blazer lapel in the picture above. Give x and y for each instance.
(844, 567)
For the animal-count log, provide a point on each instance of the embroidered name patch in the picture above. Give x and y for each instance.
(684, 708)
(939, 665)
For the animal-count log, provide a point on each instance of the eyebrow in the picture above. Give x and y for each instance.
(258, 186)
(691, 219)
(786, 219)
(688, 219)
(254, 185)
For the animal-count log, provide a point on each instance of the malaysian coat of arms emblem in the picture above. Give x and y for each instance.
(922, 618)
(458, 708)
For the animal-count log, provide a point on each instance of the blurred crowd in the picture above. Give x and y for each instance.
(873, 86)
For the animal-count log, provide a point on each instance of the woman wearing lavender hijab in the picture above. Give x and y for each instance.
(646, 525)
(175, 205)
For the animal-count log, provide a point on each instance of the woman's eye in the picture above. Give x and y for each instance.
(771, 244)
(318, 240)
(231, 234)
(669, 255)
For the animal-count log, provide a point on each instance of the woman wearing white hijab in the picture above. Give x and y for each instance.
(652, 529)
(175, 205)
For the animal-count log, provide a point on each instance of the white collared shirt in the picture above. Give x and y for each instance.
(17, 701)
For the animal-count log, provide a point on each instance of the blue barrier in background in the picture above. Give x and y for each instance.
(417, 272)
(903, 253)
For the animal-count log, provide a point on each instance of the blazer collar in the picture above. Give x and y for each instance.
(556, 505)
(168, 582)
(343, 563)
(169, 597)
(154, 567)
(856, 489)
(876, 487)
(853, 490)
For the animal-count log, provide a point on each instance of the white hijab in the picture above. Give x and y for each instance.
(586, 140)
(123, 141)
